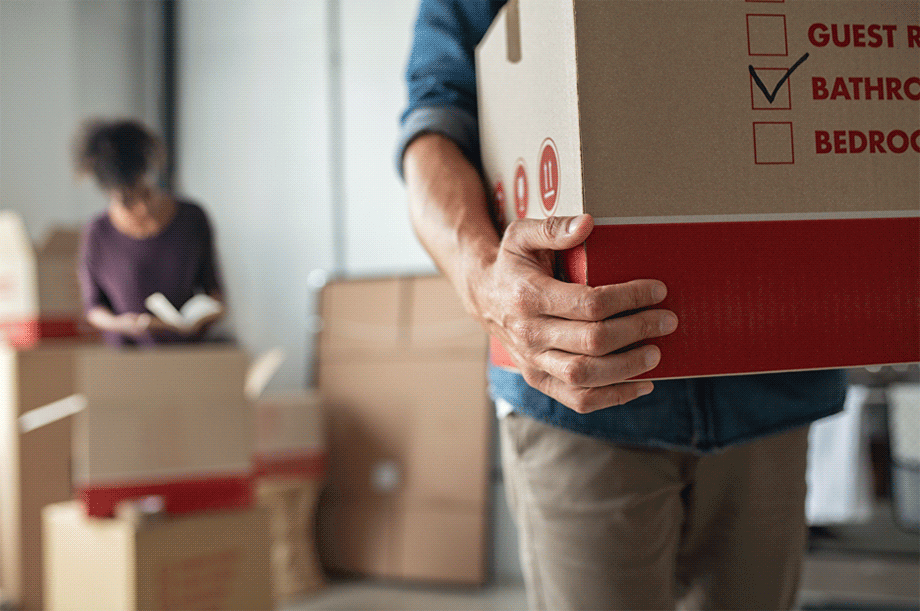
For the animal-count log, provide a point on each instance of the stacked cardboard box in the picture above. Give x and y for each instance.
(290, 465)
(35, 467)
(760, 157)
(39, 292)
(402, 374)
(172, 422)
(212, 560)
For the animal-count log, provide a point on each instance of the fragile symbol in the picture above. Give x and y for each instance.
(499, 199)
(520, 190)
(549, 176)
(772, 95)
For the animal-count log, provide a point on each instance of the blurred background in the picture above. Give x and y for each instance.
(280, 118)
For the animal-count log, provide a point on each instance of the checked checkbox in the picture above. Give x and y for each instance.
(770, 78)
(773, 143)
(767, 35)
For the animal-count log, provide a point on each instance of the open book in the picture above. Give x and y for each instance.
(192, 311)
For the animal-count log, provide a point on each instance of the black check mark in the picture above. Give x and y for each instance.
(772, 96)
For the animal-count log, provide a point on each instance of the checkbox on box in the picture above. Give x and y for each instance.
(767, 35)
(773, 143)
(770, 77)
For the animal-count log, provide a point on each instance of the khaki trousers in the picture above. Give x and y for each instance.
(607, 527)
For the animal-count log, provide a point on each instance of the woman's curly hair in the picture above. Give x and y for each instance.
(117, 152)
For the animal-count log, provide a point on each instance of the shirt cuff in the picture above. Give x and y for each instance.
(449, 121)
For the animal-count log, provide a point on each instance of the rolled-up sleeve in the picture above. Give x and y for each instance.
(441, 73)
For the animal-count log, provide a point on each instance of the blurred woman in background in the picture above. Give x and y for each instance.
(146, 242)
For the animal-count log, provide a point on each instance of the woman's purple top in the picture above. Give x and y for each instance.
(119, 272)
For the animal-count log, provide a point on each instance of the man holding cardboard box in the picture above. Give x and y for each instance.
(627, 494)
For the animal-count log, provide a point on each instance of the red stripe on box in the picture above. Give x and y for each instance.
(180, 495)
(27, 332)
(309, 464)
(771, 295)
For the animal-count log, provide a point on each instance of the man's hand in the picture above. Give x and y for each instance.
(563, 337)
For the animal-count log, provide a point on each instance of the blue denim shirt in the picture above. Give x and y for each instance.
(698, 414)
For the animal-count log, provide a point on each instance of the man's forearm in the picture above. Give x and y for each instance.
(449, 211)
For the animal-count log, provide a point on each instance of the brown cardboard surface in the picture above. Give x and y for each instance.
(366, 319)
(442, 543)
(215, 560)
(289, 422)
(39, 291)
(161, 413)
(761, 158)
(58, 286)
(408, 436)
(34, 466)
(205, 372)
(654, 113)
(291, 506)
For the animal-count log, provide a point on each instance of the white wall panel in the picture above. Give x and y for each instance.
(375, 45)
(253, 149)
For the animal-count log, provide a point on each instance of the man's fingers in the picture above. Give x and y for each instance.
(599, 338)
(586, 303)
(596, 371)
(586, 400)
(526, 236)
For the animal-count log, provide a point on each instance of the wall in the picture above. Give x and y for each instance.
(287, 121)
(62, 61)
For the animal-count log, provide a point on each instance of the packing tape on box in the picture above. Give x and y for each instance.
(52, 412)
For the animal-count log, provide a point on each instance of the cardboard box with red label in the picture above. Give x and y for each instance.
(39, 292)
(762, 158)
(171, 422)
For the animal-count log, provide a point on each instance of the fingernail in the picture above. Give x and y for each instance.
(652, 356)
(660, 292)
(668, 323)
(574, 224)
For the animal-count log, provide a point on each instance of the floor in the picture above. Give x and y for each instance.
(374, 596)
(861, 579)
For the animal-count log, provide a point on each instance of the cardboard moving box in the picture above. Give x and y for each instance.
(402, 375)
(211, 560)
(290, 467)
(172, 422)
(762, 158)
(39, 291)
(35, 467)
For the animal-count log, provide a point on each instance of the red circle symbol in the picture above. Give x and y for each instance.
(499, 198)
(549, 176)
(520, 190)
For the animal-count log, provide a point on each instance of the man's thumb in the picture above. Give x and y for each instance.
(554, 233)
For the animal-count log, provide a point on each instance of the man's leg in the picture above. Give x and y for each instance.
(599, 525)
(746, 530)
